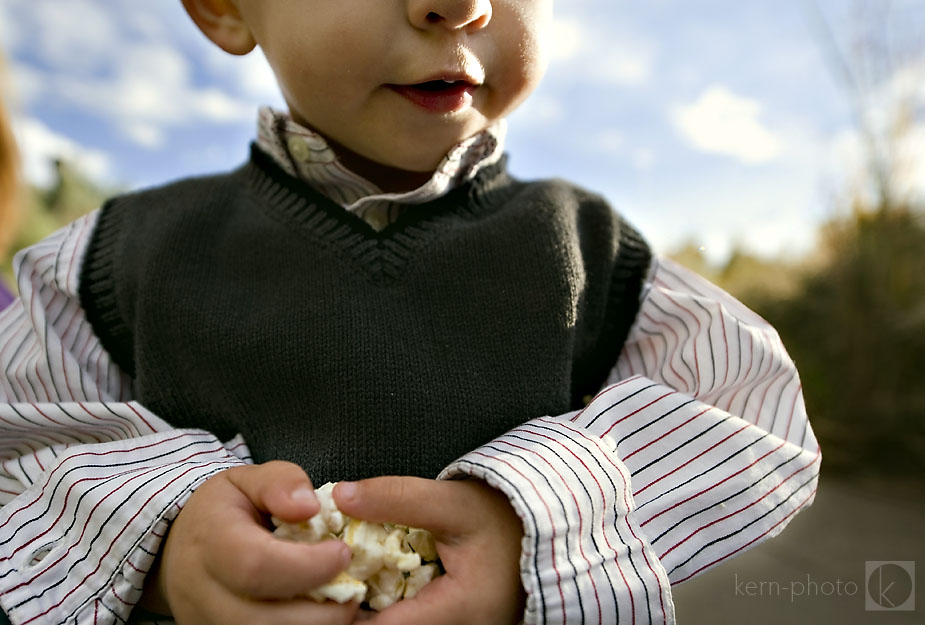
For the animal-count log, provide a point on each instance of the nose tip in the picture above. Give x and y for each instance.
(470, 15)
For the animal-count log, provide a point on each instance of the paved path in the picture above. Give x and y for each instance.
(823, 551)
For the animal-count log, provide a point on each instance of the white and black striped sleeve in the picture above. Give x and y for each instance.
(699, 449)
(89, 480)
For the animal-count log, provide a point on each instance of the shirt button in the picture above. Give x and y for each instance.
(299, 150)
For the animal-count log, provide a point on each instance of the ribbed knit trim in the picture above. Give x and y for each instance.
(630, 269)
(382, 255)
(98, 281)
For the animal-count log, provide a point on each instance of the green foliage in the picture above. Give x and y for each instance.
(46, 210)
(855, 325)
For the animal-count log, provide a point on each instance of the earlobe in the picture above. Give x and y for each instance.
(222, 23)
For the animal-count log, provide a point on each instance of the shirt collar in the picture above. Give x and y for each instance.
(305, 154)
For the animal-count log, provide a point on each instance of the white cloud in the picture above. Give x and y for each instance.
(721, 122)
(129, 65)
(600, 51)
(74, 33)
(45, 145)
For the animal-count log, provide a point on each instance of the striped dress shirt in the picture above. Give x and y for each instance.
(698, 448)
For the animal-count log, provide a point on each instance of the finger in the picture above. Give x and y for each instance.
(280, 488)
(428, 504)
(254, 563)
(431, 605)
(220, 607)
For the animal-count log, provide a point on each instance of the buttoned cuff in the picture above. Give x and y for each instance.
(78, 543)
(584, 558)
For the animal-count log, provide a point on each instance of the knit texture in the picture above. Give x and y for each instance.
(249, 303)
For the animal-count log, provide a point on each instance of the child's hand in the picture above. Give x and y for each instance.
(478, 538)
(220, 565)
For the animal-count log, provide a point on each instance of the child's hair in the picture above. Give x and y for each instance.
(9, 172)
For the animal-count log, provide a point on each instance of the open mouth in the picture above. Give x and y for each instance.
(438, 96)
(437, 86)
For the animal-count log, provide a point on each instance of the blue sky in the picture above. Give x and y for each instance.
(714, 120)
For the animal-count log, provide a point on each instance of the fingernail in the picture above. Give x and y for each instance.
(303, 493)
(347, 490)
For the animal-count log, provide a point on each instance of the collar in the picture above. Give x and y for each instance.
(304, 154)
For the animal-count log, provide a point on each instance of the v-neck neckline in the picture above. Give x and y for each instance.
(381, 254)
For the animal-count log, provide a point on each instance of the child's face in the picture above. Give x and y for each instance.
(354, 69)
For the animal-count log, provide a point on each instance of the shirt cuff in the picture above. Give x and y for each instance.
(584, 557)
(78, 543)
(707, 484)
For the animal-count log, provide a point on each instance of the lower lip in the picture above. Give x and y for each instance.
(450, 100)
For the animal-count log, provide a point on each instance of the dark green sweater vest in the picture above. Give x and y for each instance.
(249, 303)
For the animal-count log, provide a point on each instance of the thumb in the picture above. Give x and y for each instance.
(279, 488)
(416, 502)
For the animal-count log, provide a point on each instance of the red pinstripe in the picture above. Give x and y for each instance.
(603, 498)
(709, 488)
(637, 411)
(752, 541)
(648, 317)
(629, 507)
(84, 454)
(105, 478)
(89, 433)
(552, 525)
(693, 340)
(606, 390)
(742, 509)
(792, 410)
(581, 548)
(112, 544)
(669, 432)
(701, 454)
(131, 406)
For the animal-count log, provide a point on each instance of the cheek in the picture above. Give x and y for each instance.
(524, 66)
(523, 44)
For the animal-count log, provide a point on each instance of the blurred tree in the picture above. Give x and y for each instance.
(46, 210)
(856, 328)
(853, 314)
(855, 324)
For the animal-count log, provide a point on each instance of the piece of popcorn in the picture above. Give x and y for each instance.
(396, 555)
(385, 588)
(333, 518)
(422, 543)
(341, 589)
(311, 531)
(420, 577)
(366, 541)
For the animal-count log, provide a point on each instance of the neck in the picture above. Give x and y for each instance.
(389, 179)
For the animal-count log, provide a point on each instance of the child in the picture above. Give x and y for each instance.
(372, 294)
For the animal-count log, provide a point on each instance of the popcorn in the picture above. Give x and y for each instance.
(385, 588)
(341, 589)
(422, 543)
(420, 577)
(390, 562)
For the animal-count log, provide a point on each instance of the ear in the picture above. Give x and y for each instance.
(221, 22)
